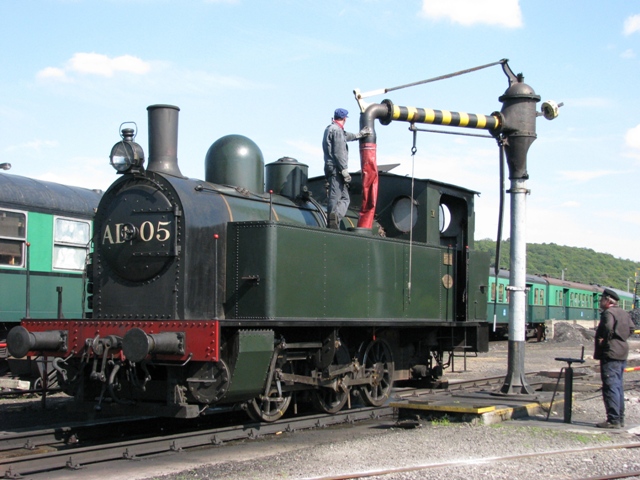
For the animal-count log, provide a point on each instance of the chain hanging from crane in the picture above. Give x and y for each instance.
(414, 149)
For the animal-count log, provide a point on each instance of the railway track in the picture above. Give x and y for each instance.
(31, 451)
(424, 469)
(39, 452)
(72, 447)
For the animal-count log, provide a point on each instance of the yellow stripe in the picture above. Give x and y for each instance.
(444, 408)
(411, 112)
(446, 117)
(429, 115)
(482, 121)
(464, 119)
(396, 112)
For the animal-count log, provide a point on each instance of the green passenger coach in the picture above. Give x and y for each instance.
(548, 300)
(45, 234)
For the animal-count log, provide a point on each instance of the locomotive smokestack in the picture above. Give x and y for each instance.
(163, 139)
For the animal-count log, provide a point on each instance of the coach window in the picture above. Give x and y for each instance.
(13, 235)
(70, 243)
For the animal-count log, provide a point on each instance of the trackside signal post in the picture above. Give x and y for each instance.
(514, 128)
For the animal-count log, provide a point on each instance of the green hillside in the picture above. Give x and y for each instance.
(580, 264)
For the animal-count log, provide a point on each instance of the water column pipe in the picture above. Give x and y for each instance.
(369, 162)
(515, 126)
(386, 112)
(519, 132)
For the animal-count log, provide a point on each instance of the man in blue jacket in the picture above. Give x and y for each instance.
(336, 166)
(612, 350)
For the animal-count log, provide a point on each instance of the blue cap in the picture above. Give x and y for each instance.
(340, 113)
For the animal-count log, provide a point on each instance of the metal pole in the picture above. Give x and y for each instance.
(515, 381)
(519, 129)
(59, 290)
(568, 393)
(28, 286)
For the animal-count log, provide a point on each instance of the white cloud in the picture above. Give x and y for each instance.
(585, 175)
(311, 150)
(632, 137)
(52, 72)
(590, 102)
(34, 145)
(96, 64)
(505, 13)
(631, 24)
(86, 172)
(628, 53)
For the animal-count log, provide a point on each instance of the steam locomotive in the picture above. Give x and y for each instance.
(229, 293)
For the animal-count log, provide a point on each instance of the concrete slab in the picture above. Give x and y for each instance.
(478, 407)
(14, 384)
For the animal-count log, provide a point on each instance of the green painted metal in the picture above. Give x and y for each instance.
(336, 275)
(478, 277)
(44, 297)
(253, 350)
(40, 236)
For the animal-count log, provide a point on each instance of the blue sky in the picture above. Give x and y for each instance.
(74, 70)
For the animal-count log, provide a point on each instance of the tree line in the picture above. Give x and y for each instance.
(577, 264)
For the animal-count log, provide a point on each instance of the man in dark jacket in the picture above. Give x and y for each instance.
(336, 165)
(612, 350)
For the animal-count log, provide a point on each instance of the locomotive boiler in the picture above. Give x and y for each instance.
(231, 291)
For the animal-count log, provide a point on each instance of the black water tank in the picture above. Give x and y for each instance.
(287, 177)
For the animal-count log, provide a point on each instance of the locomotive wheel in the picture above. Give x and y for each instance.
(330, 401)
(378, 364)
(272, 407)
(327, 399)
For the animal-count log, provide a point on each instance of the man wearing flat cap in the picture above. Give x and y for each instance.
(612, 349)
(336, 165)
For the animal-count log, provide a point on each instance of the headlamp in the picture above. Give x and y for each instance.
(127, 155)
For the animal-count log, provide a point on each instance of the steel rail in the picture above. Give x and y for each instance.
(75, 458)
(59, 435)
(484, 460)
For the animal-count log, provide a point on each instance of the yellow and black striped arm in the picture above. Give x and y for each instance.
(445, 117)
